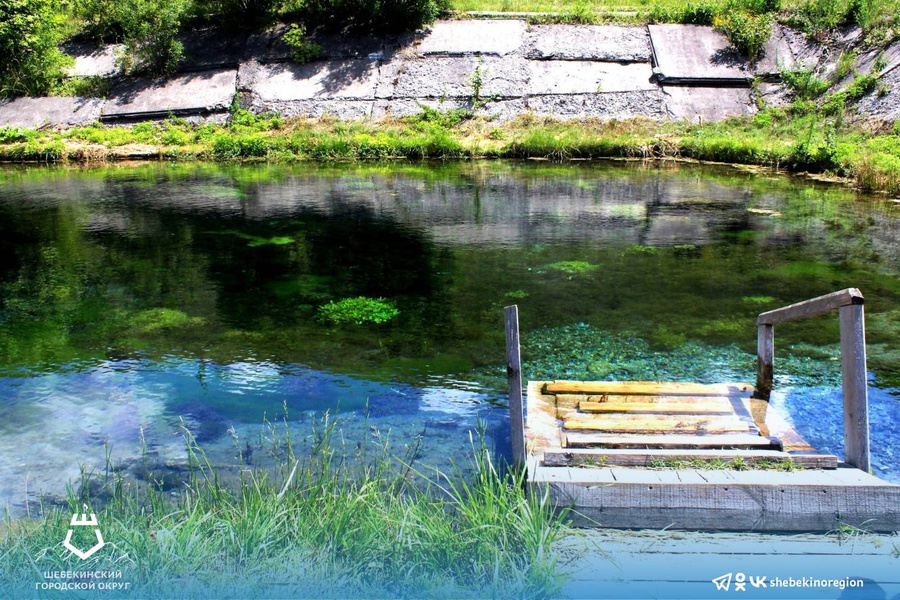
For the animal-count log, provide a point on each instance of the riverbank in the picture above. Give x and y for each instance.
(867, 156)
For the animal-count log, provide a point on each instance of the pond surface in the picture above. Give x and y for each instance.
(143, 301)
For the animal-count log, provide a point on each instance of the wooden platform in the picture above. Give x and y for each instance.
(690, 456)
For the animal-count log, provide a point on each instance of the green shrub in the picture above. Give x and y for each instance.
(747, 32)
(237, 15)
(358, 310)
(379, 16)
(101, 19)
(816, 17)
(29, 33)
(804, 83)
(149, 28)
(302, 49)
(688, 14)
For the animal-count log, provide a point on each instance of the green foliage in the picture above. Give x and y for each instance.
(378, 16)
(358, 310)
(11, 135)
(29, 33)
(302, 49)
(817, 17)
(804, 83)
(150, 28)
(102, 19)
(747, 32)
(701, 13)
(239, 15)
(84, 87)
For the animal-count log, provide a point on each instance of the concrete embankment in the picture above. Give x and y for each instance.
(499, 67)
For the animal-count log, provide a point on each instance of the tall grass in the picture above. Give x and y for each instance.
(322, 526)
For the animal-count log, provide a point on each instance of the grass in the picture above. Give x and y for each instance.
(812, 135)
(326, 525)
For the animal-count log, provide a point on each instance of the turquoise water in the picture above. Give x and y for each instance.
(141, 302)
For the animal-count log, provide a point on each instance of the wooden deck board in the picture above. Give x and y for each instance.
(575, 439)
(650, 458)
(658, 405)
(642, 423)
(653, 388)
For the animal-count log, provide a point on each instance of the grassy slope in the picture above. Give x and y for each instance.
(868, 156)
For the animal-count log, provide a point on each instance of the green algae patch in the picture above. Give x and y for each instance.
(160, 319)
(573, 267)
(359, 311)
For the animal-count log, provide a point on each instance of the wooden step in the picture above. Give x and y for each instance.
(575, 439)
(648, 388)
(574, 457)
(649, 424)
(685, 405)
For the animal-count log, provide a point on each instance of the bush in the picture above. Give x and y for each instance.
(239, 15)
(302, 50)
(804, 83)
(377, 16)
(29, 33)
(747, 32)
(149, 28)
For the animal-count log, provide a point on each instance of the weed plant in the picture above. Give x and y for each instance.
(326, 524)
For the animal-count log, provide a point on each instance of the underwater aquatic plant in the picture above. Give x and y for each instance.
(573, 267)
(359, 310)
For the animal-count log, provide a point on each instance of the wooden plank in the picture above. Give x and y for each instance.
(772, 424)
(627, 423)
(542, 428)
(765, 359)
(810, 500)
(855, 387)
(660, 405)
(574, 439)
(575, 457)
(812, 308)
(653, 388)
(514, 385)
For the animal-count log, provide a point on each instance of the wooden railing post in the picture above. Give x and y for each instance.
(765, 352)
(514, 379)
(855, 386)
(849, 304)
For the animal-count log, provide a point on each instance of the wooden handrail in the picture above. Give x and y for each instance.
(850, 306)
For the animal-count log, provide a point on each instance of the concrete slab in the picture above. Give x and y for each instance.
(352, 78)
(805, 52)
(188, 94)
(34, 113)
(473, 36)
(890, 57)
(584, 77)
(91, 61)
(269, 46)
(775, 94)
(588, 42)
(341, 109)
(211, 49)
(777, 54)
(451, 77)
(885, 104)
(707, 103)
(694, 53)
(501, 110)
(608, 105)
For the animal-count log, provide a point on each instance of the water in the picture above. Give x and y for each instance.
(139, 302)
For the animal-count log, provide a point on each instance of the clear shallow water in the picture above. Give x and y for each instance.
(141, 300)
